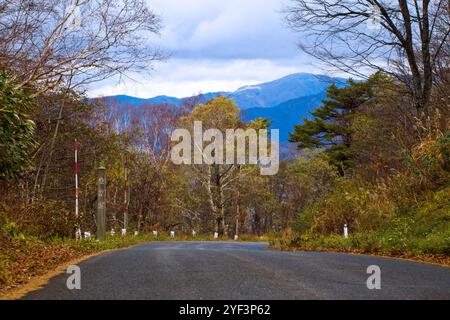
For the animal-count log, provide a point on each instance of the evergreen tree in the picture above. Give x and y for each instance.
(330, 126)
(16, 130)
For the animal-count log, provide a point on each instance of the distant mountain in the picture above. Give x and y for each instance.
(287, 114)
(271, 94)
(208, 96)
(127, 101)
(284, 101)
(264, 95)
(163, 99)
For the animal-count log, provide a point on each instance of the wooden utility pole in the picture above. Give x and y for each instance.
(101, 204)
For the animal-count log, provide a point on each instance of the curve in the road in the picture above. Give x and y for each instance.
(235, 271)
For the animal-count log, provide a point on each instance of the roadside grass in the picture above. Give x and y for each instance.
(417, 227)
(431, 249)
(420, 232)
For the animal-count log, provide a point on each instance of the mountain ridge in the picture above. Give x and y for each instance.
(285, 101)
(265, 95)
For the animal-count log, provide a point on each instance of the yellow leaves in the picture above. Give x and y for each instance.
(220, 113)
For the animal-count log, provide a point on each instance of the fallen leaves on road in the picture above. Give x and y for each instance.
(21, 260)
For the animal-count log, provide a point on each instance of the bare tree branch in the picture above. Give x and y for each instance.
(44, 42)
(359, 36)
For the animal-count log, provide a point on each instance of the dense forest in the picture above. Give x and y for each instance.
(375, 157)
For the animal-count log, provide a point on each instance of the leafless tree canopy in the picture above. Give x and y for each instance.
(45, 42)
(406, 38)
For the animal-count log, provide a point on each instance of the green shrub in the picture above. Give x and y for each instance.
(42, 219)
(16, 130)
(443, 145)
(434, 243)
(408, 213)
(362, 207)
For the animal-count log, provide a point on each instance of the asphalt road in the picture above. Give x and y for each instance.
(235, 271)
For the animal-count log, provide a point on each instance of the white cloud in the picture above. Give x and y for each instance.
(182, 78)
(217, 46)
(232, 29)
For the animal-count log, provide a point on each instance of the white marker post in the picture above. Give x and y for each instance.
(124, 232)
(172, 234)
(216, 235)
(194, 234)
(236, 238)
(155, 234)
(345, 231)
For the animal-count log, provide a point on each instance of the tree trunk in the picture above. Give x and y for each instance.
(222, 211)
(36, 178)
(421, 86)
(55, 135)
(212, 204)
(238, 201)
(426, 57)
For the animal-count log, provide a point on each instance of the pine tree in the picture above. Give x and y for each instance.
(330, 126)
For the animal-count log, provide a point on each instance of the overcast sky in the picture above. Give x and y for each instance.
(216, 45)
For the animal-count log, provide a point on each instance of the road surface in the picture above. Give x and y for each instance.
(235, 271)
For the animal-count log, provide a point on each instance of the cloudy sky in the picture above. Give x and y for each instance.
(216, 45)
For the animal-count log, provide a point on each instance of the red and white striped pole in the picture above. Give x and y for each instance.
(125, 211)
(78, 233)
